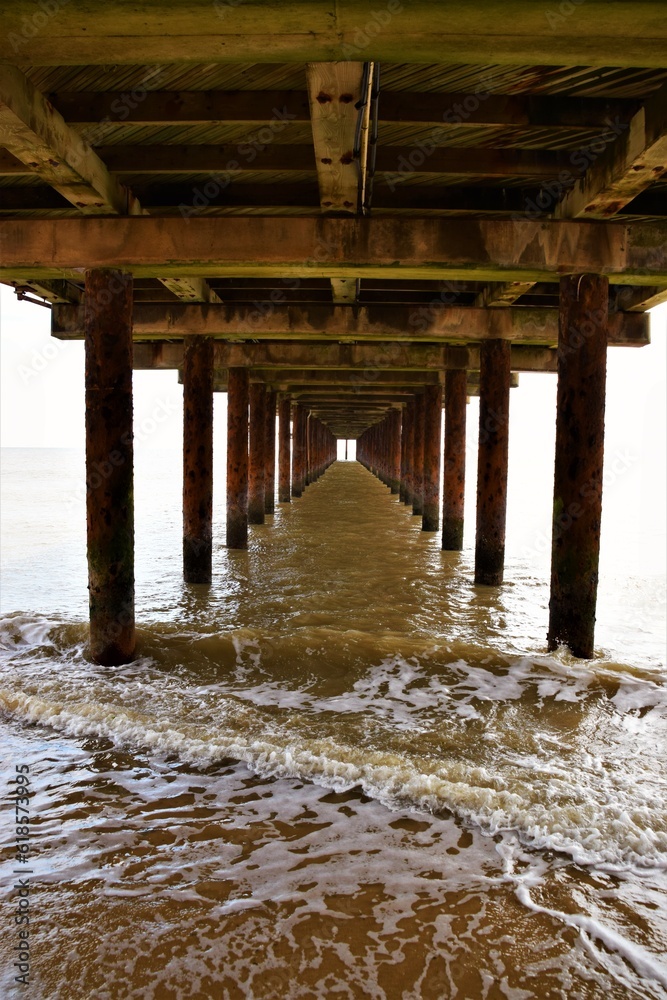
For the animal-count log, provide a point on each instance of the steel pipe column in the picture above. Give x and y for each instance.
(237, 458)
(577, 511)
(109, 465)
(492, 461)
(197, 459)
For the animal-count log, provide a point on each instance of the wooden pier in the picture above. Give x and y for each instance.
(349, 217)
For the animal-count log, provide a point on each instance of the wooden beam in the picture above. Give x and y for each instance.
(344, 290)
(417, 248)
(255, 107)
(334, 92)
(359, 364)
(54, 291)
(191, 289)
(37, 135)
(455, 324)
(397, 162)
(503, 294)
(625, 167)
(489, 32)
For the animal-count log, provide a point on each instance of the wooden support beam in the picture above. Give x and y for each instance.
(191, 289)
(37, 135)
(344, 290)
(55, 291)
(362, 364)
(445, 111)
(334, 92)
(624, 168)
(480, 249)
(503, 294)
(488, 33)
(456, 324)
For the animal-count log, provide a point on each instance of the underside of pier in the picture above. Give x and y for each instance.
(351, 215)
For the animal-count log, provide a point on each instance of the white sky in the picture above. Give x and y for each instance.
(43, 406)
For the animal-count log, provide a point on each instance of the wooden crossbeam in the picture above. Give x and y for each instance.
(514, 32)
(54, 291)
(456, 324)
(334, 92)
(395, 161)
(413, 248)
(446, 111)
(504, 294)
(625, 167)
(36, 134)
(359, 364)
(191, 289)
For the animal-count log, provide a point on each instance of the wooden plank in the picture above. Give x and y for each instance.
(334, 91)
(37, 135)
(625, 168)
(55, 291)
(410, 248)
(489, 32)
(452, 324)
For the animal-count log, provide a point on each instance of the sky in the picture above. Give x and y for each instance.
(42, 395)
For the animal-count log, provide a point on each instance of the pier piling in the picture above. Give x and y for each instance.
(237, 459)
(577, 511)
(284, 449)
(432, 441)
(454, 475)
(256, 458)
(492, 461)
(197, 459)
(418, 459)
(109, 465)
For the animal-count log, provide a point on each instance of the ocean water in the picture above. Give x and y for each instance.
(340, 771)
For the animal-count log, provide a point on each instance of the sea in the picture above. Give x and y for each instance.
(340, 771)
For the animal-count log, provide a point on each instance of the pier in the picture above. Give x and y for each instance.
(350, 222)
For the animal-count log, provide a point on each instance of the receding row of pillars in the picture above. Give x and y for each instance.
(403, 450)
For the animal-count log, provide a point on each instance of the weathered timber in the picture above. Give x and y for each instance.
(300, 424)
(256, 459)
(455, 324)
(453, 482)
(237, 459)
(109, 466)
(475, 249)
(197, 459)
(577, 508)
(492, 459)
(493, 32)
(432, 435)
